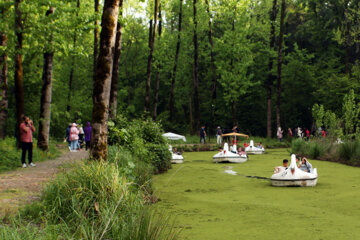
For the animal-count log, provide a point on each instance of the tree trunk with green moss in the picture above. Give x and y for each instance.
(19, 89)
(279, 64)
(157, 84)
(150, 59)
(196, 70)
(102, 83)
(115, 73)
(3, 86)
(46, 92)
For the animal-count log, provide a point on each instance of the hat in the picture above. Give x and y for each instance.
(74, 125)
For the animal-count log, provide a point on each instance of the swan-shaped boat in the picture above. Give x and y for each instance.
(251, 149)
(293, 176)
(175, 158)
(227, 156)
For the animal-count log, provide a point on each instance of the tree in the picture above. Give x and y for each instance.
(96, 36)
(46, 92)
(3, 72)
(196, 70)
(19, 89)
(115, 73)
(102, 83)
(173, 75)
(212, 55)
(71, 77)
(150, 57)
(279, 65)
(157, 83)
(270, 77)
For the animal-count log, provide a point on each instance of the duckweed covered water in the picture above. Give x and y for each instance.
(210, 204)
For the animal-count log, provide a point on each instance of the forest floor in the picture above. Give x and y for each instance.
(24, 185)
(208, 203)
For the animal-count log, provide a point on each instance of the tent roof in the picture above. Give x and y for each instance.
(173, 136)
(234, 134)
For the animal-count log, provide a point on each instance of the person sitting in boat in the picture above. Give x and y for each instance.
(220, 149)
(260, 145)
(176, 152)
(234, 141)
(241, 151)
(283, 167)
(305, 165)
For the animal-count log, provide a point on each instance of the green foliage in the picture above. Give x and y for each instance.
(350, 151)
(143, 138)
(11, 156)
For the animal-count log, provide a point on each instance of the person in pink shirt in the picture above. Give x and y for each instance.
(307, 134)
(26, 130)
(74, 137)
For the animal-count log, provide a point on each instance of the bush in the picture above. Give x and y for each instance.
(143, 138)
(350, 151)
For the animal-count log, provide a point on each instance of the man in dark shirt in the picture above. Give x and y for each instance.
(202, 134)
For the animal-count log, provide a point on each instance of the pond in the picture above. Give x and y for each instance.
(207, 203)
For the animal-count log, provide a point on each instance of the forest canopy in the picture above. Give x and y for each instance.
(252, 63)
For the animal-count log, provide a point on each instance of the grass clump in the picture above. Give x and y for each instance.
(96, 200)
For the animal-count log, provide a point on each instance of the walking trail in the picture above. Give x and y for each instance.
(24, 185)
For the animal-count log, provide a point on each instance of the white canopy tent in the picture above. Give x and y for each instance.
(173, 136)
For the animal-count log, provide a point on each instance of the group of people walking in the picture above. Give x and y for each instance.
(75, 136)
(299, 133)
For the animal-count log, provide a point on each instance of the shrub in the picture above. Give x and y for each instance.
(143, 138)
(350, 151)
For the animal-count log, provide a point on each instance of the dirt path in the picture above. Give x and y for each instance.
(25, 184)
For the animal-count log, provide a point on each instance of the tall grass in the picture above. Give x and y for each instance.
(95, 200)
(327, 149)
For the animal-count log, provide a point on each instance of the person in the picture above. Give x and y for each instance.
(290, 133)
(202, 134)
(307, 132)
(241, 151)
(26, 131)
(175, 151)
(235, 129)
(279, 134)
(245, 144)
(305, 165)
(74, 137)
(283, 167)
(87, 136)
(234, 141)
(260, 145)
(67, 135)
(81, 135)
(323, 133)
(220, 149)
(218, 135)
(300, 132)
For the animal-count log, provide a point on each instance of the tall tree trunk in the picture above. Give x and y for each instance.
(115, 73)
(173, 76)
(150, 59)
(157, 84)
(19, 89)
(212, 55)
(270, 77)
(45, 102)
(279, 65)
(195, 71)
(102, 84)
(3, 85)
(192, 131)
(71, 77)
(96, 37)
(234, 113)
(347, 38)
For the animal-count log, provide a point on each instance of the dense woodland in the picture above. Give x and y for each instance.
(258, 64)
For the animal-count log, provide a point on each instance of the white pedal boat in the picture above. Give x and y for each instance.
(254, 150)
(227, 156)
(175, 158)
(293, 176)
